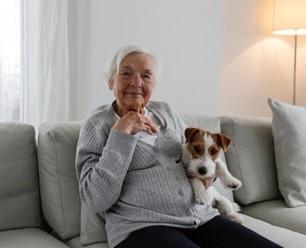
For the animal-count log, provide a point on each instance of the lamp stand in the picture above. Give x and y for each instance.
(294, 70)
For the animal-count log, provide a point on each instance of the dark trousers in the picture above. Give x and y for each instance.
(216, 233)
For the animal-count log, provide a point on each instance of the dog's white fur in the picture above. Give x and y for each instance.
(213, 167)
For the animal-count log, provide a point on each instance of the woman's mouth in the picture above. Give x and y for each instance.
(134, 93)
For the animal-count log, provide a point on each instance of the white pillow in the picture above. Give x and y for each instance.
(289, 132)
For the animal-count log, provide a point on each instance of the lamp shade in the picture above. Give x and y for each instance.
(289, 17)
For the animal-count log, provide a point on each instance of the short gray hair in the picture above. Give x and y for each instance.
(113, 67)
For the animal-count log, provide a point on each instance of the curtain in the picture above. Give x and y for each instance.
(45, 64)
(10, 87)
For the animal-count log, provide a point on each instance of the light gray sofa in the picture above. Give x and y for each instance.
(39, 198)
(21, 222)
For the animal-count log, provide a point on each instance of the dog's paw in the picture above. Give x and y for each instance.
(199, 201)
(234, 184)
(235, 217)
(203, 198)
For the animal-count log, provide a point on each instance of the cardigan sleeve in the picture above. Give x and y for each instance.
(102, 161)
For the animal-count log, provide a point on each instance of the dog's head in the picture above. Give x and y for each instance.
(202, 149)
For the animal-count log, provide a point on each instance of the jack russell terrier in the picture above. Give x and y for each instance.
(201, 159)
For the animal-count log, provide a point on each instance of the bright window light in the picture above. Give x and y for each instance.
(10, 83)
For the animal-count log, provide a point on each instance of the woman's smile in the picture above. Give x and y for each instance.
(131, 93)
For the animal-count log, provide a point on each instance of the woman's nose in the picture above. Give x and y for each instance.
(136, 81)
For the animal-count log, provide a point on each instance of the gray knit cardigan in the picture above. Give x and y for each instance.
(131, 183)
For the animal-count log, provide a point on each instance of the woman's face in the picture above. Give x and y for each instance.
(133, 84)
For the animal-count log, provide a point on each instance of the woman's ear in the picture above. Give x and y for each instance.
(110, 83)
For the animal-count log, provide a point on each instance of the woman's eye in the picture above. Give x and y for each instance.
(125, 73)
(146, 76)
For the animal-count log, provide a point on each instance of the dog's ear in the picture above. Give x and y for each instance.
(221, 140)
(192, 133)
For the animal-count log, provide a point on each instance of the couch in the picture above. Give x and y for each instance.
(39, 198)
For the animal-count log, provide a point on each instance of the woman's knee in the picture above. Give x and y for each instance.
(157, 236)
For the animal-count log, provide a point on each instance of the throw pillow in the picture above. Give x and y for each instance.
(289, 132)
(250, 158)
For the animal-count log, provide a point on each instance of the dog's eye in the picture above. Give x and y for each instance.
(197, 149)
(213, 151)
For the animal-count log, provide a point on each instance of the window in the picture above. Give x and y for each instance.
(10, 83)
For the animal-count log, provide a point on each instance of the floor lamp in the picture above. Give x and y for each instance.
(290, 19)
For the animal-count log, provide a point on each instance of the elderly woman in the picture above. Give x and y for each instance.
(129, 171)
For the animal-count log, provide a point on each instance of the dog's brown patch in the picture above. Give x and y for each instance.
(221, 140)
(196, 149)
(195, 141)
(214, 152)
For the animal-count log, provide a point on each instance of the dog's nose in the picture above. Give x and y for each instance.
(202, 170)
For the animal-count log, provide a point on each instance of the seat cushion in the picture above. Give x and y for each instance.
(251, 158)
(58, 183)
(282, 236)
(279, 235)
(19, 191)
(289, 131)
(276, 212)
(29, 238)
(75, 243)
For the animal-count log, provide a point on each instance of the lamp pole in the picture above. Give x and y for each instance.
(294, 70)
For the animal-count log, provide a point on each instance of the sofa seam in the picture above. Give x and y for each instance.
(53, 138)
(239, 163)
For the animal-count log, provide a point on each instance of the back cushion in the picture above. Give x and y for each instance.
(59, 187)
(19, 194)
(250, 158)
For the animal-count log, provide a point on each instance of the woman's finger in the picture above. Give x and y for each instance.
(151, 124)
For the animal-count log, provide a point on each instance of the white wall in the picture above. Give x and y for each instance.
(182, 33)
(301, 71)
(254, 64)
(218, 56)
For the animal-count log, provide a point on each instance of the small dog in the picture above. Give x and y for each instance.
(201, 159)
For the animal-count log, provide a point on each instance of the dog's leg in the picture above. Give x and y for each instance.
(225, 176)
(225, 207)
(200, 193)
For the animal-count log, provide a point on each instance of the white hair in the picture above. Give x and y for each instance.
(113, 67)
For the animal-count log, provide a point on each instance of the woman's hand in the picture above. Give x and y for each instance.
(133, 122)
